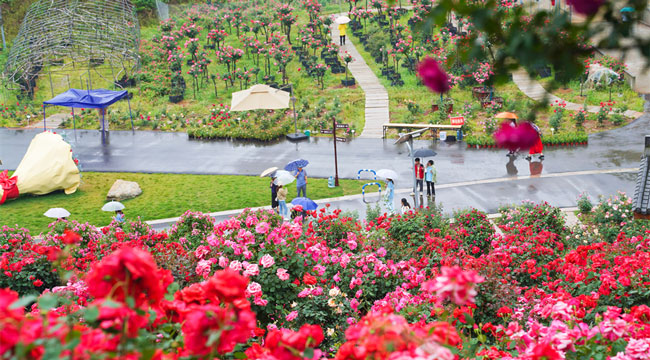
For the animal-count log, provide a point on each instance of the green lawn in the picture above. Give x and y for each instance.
(163, 196)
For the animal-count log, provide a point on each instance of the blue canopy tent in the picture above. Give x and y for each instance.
(88, 99)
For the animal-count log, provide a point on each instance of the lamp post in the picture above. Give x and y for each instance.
(296, 136)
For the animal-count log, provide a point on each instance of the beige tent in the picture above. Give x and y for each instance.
(259, 97)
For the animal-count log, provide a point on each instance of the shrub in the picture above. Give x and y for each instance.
(192, 229)
(474, 230)
(584, 204)
(538, 217)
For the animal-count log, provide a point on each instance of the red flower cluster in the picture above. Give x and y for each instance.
(129, 273)
(285, 344)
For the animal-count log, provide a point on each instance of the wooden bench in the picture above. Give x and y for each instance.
(433, 127)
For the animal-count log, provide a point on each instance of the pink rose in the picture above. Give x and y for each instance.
(352, 244)
(282, 274)
(254, 288)
(252, 270)
(456, 284)
(262, 228)
(235, 265)
(304, 293)
(433, 76)
(267, 261)
(292, 316)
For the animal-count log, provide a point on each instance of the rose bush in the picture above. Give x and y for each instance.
(402, 287)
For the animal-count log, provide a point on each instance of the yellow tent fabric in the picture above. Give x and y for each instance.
(342, 28)
(47, 166)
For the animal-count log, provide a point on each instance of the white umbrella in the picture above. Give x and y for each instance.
(283, 177)
(113, 206)
(387, 174)
(259, 97)
(269, 171)
(342, 19)
(57, 213)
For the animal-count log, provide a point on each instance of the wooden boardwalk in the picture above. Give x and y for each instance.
(377, 113)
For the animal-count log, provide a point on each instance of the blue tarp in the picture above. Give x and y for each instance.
(88, 99)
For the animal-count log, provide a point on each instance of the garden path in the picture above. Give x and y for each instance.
(534, 90)
(51, 122)
(377, 104)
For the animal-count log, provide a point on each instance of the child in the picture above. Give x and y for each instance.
(405, 206)
(119, 216)
(282, 201)
(430, 177)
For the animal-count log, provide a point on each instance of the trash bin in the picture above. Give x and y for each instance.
(459, 135)
(330, 182)
(443, 135)
(308, 133)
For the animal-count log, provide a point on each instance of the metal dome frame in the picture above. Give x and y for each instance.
(77, 34)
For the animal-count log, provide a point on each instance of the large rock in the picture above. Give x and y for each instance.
(122, 189)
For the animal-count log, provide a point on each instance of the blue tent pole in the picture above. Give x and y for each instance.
(74, 121)
(44, 126)
(103, 128)
(130, 113)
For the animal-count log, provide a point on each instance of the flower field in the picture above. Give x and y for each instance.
(417, 286)
(193, 62)
(394, 40)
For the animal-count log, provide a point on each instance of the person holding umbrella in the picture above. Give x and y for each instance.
(117, 207)
(342, 28)
(274, 194)
(301, 182)
(297, 167)
(282, 178)
(389, 196)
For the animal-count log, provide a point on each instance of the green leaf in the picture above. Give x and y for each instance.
(52, 349)
(48, 301)
(130, 302)
(23, 301)
(239, 355)
(308, 353)
(91, 314)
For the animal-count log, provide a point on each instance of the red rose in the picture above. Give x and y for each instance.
(128, 272)
(309, 280)
(70, 237)
(226, 285)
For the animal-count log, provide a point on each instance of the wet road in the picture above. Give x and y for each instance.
(484, 179)
(158, 152)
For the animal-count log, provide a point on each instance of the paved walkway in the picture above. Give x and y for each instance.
(52, 121)
(377, 112)
(534, 90)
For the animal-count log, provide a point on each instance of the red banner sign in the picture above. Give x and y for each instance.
(457, 120)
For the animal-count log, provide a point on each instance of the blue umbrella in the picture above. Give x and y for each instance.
(627, 9)
(294, 165)
(306, 203)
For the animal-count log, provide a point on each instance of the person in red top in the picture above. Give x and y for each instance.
(419, 175)
(538, 148)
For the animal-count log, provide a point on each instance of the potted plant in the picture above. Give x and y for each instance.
(177, 91)
(347, 58)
